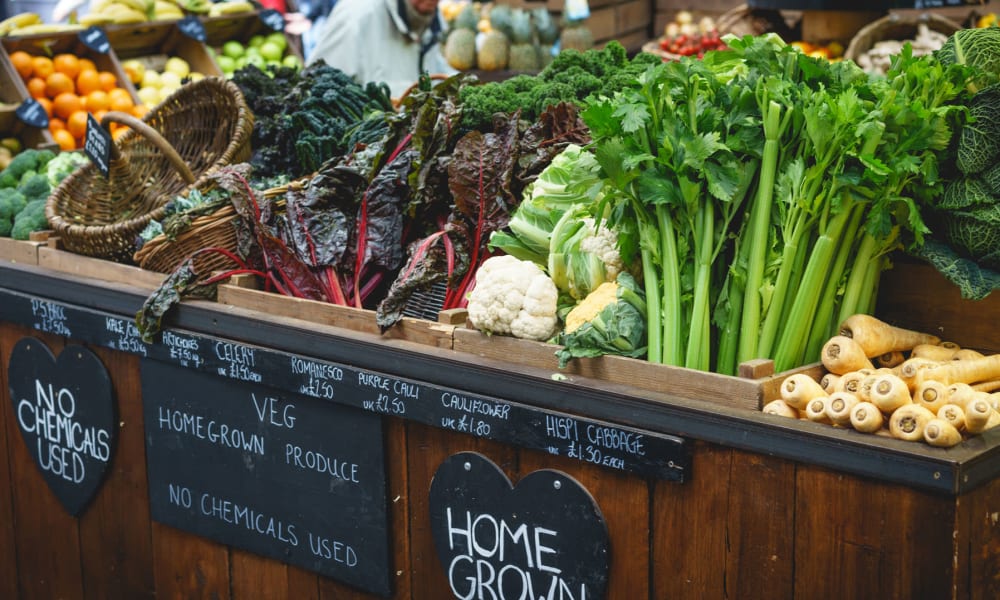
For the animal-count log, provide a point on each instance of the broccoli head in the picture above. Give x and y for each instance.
(31, 219)
(11, 203)
(25, 162)
(35, 187)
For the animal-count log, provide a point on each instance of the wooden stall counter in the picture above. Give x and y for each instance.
(242, 454)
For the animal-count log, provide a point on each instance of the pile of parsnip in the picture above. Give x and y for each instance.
(891, 381)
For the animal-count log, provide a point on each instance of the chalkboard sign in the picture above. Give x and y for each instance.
(273, 19)
(193, 28)
(94, 38)
(32, 114)
(544, 538)
(97, 145)
(65, 410)
(288, 477)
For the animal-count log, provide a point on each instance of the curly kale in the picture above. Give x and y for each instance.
(571, 77)
(302, 122)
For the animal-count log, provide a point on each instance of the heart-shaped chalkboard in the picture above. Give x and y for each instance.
(66, 413)
(545, 538)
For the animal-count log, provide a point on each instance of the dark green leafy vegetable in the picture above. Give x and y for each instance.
(975, 281)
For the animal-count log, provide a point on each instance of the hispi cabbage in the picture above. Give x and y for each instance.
(610, 320)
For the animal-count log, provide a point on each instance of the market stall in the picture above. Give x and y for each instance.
(282, 335)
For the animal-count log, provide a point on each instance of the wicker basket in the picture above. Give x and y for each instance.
(203, 126)
(896, 26)
(215, 230)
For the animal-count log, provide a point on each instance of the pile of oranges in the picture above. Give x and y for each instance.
(68, 87)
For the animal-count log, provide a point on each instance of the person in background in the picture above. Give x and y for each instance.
(390, 41)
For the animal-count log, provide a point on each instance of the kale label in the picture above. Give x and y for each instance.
(65, 410)
(545, 538)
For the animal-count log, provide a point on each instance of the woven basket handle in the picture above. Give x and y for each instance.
(153, 136)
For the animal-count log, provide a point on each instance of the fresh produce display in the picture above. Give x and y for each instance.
(154, 85)
(682, 36)
(261, 51)
(119, 12)
(25, 184)
(897, 382)
(69, 87)
(30, 23)
(492, 37)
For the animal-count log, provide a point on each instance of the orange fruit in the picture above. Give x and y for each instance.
(65, 139)
(108, 80)
(46, 104)
(98, 115)
(98, 100)
(67, 64)
(55, 124)
(117, 133)
(36, 87)
(41, 66)
(139, 111)
(22, 63)
(77, 123)
(87, 81)
(66, 104)
(57, 83)
(120, 100)
(87, 65)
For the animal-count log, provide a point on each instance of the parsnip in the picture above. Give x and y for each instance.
(781, 408)
(842, 354)
(960, 394)
(980, 415)
(890, 359)
(798, 389)
(838, 407)
(941, 433)
(935, 352)
(973, 370)
(829, 382)
(849, 382)
(954, 414)
(908, 422)
(878, 337)
(932, 395)
(866, 417)
(816, 410)
(888, 393)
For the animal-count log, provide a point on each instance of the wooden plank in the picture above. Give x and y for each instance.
(114, 531)
(251, 574)
(634, 15)
(977, 547)
(602, 23)
(718, 389)
(690, 528)
(429, 333)
(859, 538)
(96, 268)
(8, 548)
(821, 26)
(18, 251)
(624, 502)
(761, 547)
(47, 538)
(633, 41)
(187, 566)
(917, 296)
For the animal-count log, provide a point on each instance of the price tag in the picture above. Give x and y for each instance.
(273, 19)
(193, 28)
(97, 145)
(32, 113)
(94, 38)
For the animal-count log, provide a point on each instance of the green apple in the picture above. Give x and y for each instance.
(226, 63)
(150, 79)
(278, 38)
(256, 60)
(271, 51)
(292, 62)
(150, 96)
(252, 51)
(256, 41)
(233, 49)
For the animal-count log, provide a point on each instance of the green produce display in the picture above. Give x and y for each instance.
(25, 186)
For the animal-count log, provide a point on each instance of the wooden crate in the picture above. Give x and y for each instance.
(756, 385)
(21, 252)
(50, 256)
(428, 333)
(154, 43)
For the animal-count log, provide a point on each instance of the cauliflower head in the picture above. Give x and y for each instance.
(514, 297)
